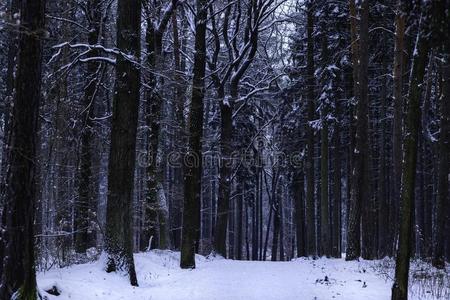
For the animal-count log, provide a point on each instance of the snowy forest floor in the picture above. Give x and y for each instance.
(160, 277)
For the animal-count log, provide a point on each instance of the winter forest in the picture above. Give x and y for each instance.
(224, 149)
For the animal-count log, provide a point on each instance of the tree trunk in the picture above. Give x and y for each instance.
(398, 121)
(223, 201)
(400, 286)
(240, 208)
(193, 170)
(310, 82)
(86, 204)
(119, 231)
(12, 52)
(299, 189)
(281, 213)
(360, 183)
(337, 191)
(383, 204)
(364, 195)
(325, 234)
(443, 177)
(180, 68)
(18, 276)
(153, 112)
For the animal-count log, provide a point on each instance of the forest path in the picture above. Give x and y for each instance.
(160, 278)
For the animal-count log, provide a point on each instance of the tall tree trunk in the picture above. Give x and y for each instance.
(310, 82)
(86, 204)
(383, 206)
(360, 183)
(19, 276)
(153, 110)
(119, 231)
(443, 177)
(423, 199)
(325, 234)
(12, 52)
(337, 191)
(325, 237)
(180, 67)
(364, 196)
(352, 122)
(9, 80)
(400, 286)
(193, 171)
(223, 202)
(398, 121)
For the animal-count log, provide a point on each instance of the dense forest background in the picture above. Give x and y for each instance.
(251, 129)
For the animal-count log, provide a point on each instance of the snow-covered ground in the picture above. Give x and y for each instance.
(160, 277)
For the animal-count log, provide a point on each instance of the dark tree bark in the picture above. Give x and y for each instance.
(337, 190)
(310, 82)
(236, 70)
(119, 232)
(281, 213)
(12, 52)
(400, 286)
(240, 208)
(362, 155)
(383, 204)
(360, 183)
(86, 204)
(223, 202)
(255, 213)
(9, 82)
(299, 203)
(325, 234)
(19, 276)
(155, 216)
(443, 173)
(276, 231)
(398, 121)
(175, 206)
(193, 171)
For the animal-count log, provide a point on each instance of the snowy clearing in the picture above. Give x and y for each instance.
(160, 277)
